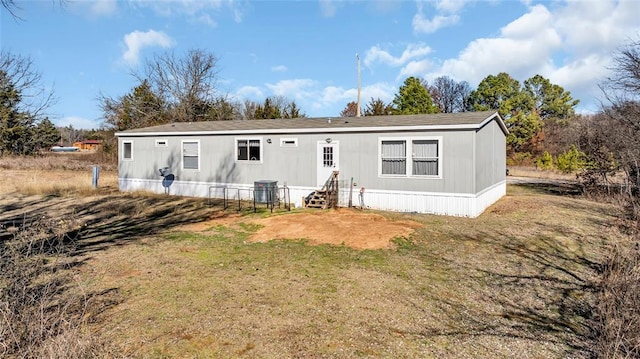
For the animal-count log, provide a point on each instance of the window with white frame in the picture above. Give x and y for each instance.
(424, 157)
(394, 157)
(191, 155)
(127, 150)
(410, 157)
(248, 149)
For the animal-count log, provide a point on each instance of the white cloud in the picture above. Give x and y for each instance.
(528, 25)
(450, 6)
(581, 77)
(94, 9)
(77, 122)
(103, 7)
(423, 25)
(327, 8)
(295, 89)
(446, 16)
(582, 72)
(332, 99)
(207, 20)
(597, 26)
(137, 40)
(249, 92)
(333, 94)
(381, 90)
(315, 99)
(181, 7)
(412, 51)
(569, 43)
(196, 10)
(279, 68)
(238, 13)
(415, 68)
(524, 48)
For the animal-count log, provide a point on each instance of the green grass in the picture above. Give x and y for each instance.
(516, 282)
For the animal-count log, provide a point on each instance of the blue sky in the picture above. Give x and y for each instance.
(306, 50)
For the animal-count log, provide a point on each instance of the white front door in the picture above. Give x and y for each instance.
(328, 159)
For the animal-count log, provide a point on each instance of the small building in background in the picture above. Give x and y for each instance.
(88, 145)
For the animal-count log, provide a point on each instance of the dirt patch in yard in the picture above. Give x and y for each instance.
(349, 227)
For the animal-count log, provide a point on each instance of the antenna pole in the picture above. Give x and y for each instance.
(358, 105)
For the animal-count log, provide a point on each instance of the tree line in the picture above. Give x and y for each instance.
(184, 89)
(544, 129)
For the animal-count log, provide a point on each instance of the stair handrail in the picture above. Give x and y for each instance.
(331, 187)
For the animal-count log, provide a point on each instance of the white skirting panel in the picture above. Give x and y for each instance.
(178, 188)
(489, 196)
(206, 189)
(450, 204)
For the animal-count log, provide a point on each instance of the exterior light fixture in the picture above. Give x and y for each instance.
(328, 139)
(268, 140)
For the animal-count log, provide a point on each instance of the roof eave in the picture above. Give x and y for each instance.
(497, 116)
(312, 130)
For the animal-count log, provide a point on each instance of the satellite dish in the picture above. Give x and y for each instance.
(167, 178)
(164, 171)
(167, 181)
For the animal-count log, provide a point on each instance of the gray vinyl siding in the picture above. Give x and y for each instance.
(296, 166)
(490, 156)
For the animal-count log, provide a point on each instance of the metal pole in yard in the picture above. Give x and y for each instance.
(95, 175)
(255, 210)
(350, 192)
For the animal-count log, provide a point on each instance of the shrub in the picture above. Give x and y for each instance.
(571, 160)
(619, 303)
(42, 309)
(519, 159)
(545, 162)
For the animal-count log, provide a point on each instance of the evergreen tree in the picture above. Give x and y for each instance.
(222, 109)
(140, 108)
(46, 134)
(413, 98)
(378, 107)
(525, 110)
(500, 92)
(504, 94)
(269, 110)
(292, 111)
(15, 125)
(550, 101)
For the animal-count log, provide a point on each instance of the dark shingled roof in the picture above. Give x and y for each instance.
(463, 120)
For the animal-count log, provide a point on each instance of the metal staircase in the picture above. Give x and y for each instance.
(327, 197)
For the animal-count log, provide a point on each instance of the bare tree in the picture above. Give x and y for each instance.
(248, 111)
(626, 72)
(35, 97)
(612, 139)
(11, 7)
(449, 95)
(187, 84)
(377, 107)
(350, 110)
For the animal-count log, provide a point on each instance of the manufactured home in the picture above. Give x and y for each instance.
(448, 164)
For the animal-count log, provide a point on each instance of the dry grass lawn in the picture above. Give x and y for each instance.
(176, 278)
